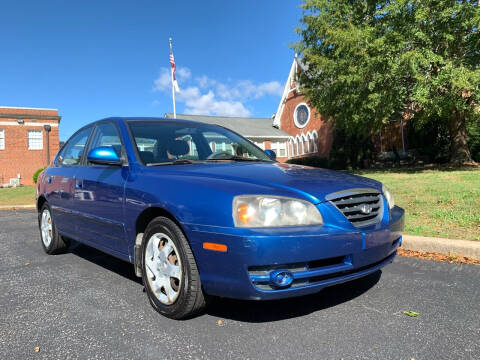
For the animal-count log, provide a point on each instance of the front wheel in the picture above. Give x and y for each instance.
(52, 241)
(169, 271)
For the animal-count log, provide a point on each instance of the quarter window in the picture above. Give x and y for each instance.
(35, 139)
(73, 151)
(2, 139)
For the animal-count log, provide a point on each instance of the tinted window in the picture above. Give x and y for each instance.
(167, 141)
(106, 134)
(73, 151)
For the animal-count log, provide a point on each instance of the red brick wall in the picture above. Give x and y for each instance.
(317, 122)
(16, 158)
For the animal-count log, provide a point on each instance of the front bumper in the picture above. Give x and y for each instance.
(317, 256)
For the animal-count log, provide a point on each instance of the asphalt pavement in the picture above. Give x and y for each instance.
(88, 305)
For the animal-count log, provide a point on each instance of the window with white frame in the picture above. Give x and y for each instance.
(2, 139)
(280, 148)
(35, 139)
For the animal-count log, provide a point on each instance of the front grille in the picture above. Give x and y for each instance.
(361, 207)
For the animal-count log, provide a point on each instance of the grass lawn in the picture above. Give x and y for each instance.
(441, 203)
(24, 195)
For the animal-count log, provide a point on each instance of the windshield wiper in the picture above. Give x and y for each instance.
(236, 158)
(175, 162)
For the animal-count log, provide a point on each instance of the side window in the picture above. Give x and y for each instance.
(106, 134)
(2, 139)
(72, 153)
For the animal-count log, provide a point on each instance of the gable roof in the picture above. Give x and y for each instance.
(297, 65)
(248, 127)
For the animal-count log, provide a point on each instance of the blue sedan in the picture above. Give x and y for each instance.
(199, 210)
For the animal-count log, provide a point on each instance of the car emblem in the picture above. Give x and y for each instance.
(366, 209)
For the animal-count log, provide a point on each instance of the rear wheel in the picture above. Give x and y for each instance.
(169, 271)
(52, 242)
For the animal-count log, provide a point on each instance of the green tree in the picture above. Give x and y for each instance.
(369, 62)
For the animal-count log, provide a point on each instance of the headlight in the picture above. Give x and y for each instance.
(271, 211)
(388, 196)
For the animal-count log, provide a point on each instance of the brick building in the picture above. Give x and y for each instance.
(28, 141)
(295, 130)
(310, 133)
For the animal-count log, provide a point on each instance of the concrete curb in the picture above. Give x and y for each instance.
(17, 207)
(466, 248)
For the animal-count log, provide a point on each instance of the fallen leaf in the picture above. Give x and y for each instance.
(37, 349)
(123, 334)
(219, 322)
(410, 313)
(27, 263)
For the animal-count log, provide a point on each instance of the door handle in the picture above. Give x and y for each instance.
(79, 184)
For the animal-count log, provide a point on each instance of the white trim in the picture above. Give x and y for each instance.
(286, 91)
(295, 115)
(25, 108)
(15, 123)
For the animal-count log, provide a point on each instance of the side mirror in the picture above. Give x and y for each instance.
(104, 155)
(271, 154)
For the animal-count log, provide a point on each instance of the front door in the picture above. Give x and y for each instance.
(60, 181)
(99, 195)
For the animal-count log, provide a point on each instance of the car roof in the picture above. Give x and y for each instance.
(153, 119)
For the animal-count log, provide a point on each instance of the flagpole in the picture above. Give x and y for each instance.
(173, 85)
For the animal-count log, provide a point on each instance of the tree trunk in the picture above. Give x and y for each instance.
(459, 151)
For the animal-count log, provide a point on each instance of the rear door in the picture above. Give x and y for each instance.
(60, 181)
(99, 194)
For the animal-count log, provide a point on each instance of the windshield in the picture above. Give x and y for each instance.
(166, 142)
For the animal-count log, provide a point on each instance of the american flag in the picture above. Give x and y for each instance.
(174, 69)
(172, 64)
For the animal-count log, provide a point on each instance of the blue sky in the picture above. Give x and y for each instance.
(93, 59)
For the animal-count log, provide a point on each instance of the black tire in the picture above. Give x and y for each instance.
(190, 300)
(57, 243)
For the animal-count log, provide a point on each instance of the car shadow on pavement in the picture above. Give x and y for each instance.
(247, 310)
(274, 310)
(106, 261)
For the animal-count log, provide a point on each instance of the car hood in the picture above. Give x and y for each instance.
(313, 183)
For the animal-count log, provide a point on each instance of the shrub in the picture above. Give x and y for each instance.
(35, 175)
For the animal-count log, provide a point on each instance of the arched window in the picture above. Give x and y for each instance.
(311, 147)
(305, 144)
(290, 148)
(297, 146)
(315, 141)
